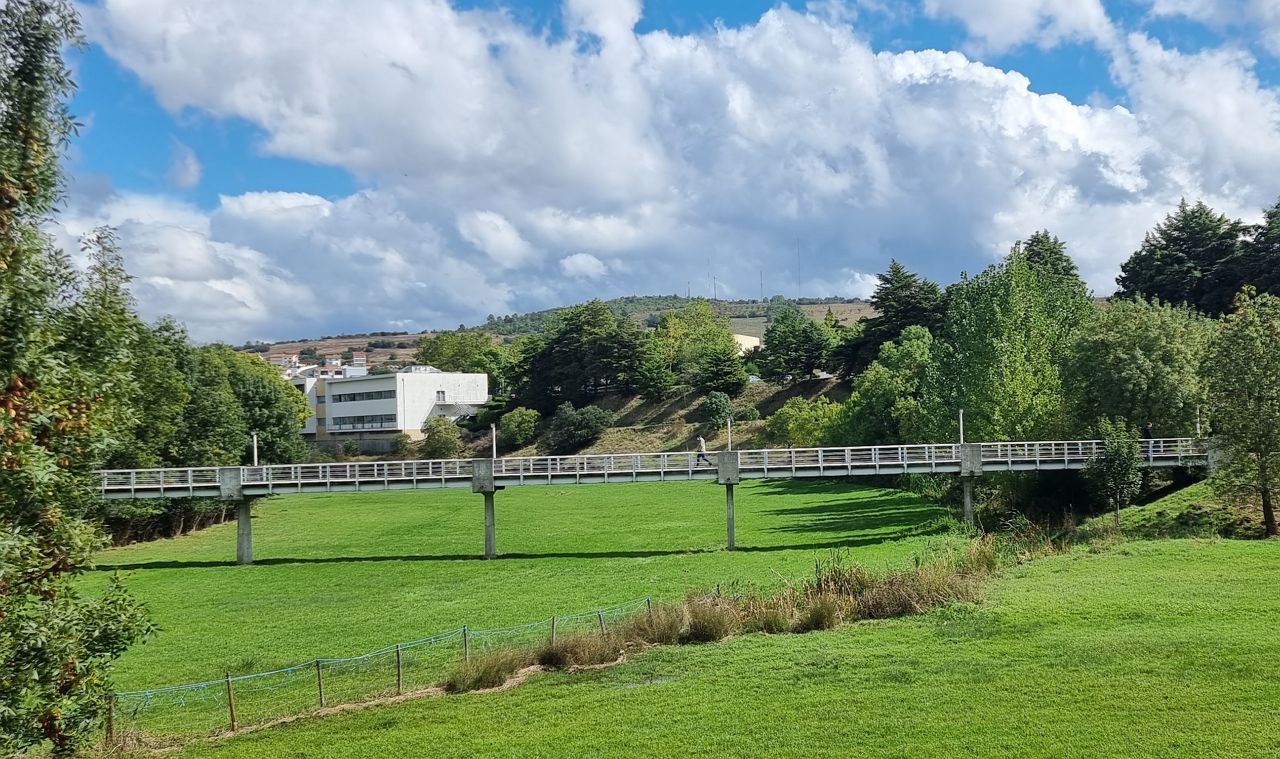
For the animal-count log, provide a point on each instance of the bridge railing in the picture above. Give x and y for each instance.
(370, 471)
(1042, 452)
(600, 463)
(133, 479)
(859, 457)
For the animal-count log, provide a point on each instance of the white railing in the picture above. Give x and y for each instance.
(872, 458)
(372, 471)
(780, 462)
(148, 479)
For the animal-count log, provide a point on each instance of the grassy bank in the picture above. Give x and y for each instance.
(342, 574)
(1151, 649)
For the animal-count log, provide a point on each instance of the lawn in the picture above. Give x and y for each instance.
(1150, 649)
(342, 574)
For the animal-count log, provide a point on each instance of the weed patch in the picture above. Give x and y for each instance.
(486, 669)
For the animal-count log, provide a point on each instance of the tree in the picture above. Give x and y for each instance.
(801, 422)
(214, 429)
(519, 425)
(1048, 254)
(587, 351)
(692, 337)
(795, 346)
(1243, 375)
(1258, 261)
(656, 377)
(1003, 344)
(65, 342)
(886, 405)
(716, 410)
(441, 439)
(1138, 361)
(902, 299)
(1116, 474)
(1182, 260)
(402, 445)
(571, 428)
(352, 448)
(465, 351)
(271, 406)
(720, 369)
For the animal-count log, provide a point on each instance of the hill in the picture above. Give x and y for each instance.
(745, 317)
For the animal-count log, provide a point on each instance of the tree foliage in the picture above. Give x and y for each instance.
(716, 410)
(466, 351)
(800, 422)
(1116, 474)
(1243, 375)
(902, 299)
(795, 346)
(65, 343)
(887, 404)
(1048, 254)
(573, 428)
(1189, 258)
(519, 426)
(586, 352)
(441, 438)
(1138, 361)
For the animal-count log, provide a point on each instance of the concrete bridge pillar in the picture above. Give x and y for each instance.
(482, 482)
(244, 531)
(970, 469)
(727, 474)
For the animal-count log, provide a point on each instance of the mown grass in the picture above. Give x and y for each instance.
(1150, 649)
(342, 574)
(1191, 512)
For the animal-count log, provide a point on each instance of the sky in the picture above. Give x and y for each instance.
(305, 167)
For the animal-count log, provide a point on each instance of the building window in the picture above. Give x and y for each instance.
(439, 396)
(369, 421)
(375, 395)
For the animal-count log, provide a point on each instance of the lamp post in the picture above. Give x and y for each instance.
(255, 449)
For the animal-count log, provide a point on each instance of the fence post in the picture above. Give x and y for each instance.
(466, 644)
(553, 629)
(399, 672)
(111, 720)
(231, 702)
(648, 606)
(600, 616)
(320, 681)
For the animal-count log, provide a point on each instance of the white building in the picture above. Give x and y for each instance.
(375, 408)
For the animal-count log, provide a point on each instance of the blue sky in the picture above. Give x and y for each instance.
(330, 167)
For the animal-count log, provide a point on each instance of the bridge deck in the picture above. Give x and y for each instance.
(635, 467)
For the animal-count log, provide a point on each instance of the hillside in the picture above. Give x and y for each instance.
(745, 318)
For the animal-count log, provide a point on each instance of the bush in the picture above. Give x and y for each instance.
(402, 445)
(801, 423)
(519, 426)
(572, 429)
(350, 448)
(746, 414)
(441, 439)
(821, 613)
(578, 650)
(709, 619)
(485, 669)
(716, 408)
(660, 626)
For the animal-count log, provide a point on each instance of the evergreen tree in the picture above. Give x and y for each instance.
(64, 353)
(720, 369)
(903, 299)
(1048, 254)
(1188, 258)
(795, 346)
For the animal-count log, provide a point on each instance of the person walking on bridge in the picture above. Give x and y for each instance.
(702, 452)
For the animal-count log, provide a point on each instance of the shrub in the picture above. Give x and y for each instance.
(519, 426)
(572, 429)
(578, 650)
(801, 422)
(485, 669)
(661, 626)
(709, 619)
(746, 414)
(766, 615)
(402, 445)
(350, 448)
(441, 439)
(821, 613)
(716, 409)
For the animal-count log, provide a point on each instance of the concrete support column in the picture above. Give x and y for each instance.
(244, 532)
(967, 482)
(490, 528)
(728, 510)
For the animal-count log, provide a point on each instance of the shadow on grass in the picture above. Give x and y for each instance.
(901, 514)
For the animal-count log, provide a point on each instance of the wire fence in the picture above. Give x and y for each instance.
(234, 702)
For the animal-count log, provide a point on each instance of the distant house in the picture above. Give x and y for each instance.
(283, 360)
(373, 409)
(746, 343)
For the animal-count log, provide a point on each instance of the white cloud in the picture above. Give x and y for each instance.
(500, 153)
(1260, 17)
(998, 25)
(583, 266)
(184, 167)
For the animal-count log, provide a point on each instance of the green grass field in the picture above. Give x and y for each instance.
(342, 574)
(1149, 649)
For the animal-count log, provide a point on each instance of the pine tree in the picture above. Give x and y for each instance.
(1048, 254)
(1187, 259)
(903, 299)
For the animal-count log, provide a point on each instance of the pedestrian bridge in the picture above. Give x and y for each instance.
(944, 458)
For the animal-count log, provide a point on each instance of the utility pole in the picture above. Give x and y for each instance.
(715, 289)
